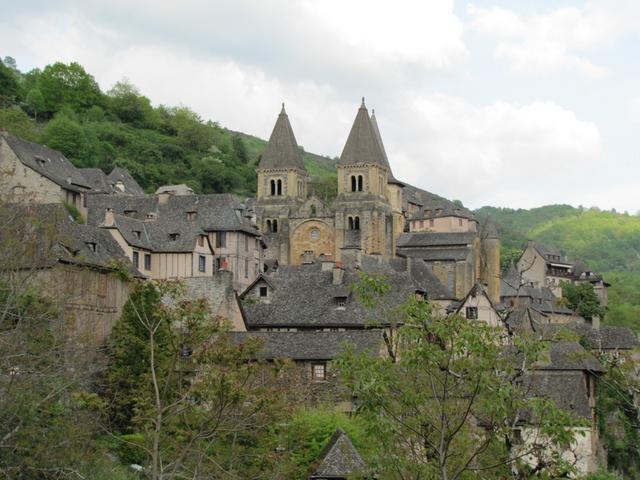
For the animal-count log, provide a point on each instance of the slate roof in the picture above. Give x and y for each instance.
(525, 319)
(66, 241)
(215, 212)
(435, 239)
(605, 337)
(312, 345)
(118, 182)
(568, 356)
(362, 146)
(50, 163)
(376, 131)
(282, 150)
(180, 189)
(338, 459)
(566, 389)
(541, 298)
(432, 202)
(305, 297)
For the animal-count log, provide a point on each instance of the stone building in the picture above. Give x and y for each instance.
(178, 236)
(79, 267)
(33, 173)
(372, 214)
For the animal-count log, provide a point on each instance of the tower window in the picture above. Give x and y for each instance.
(360, 183)
(315, 234)
(274, 226)
(273, 187)
(279, 185)
(353, 183)
(268, 225)
(313, 210)
(356, 223)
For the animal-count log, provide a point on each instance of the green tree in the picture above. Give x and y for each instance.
(447, 405)
(35, 102)
(9, 88)
(68, 86)
(66, 135)
(14, 120)
(127, 103)
(240, 149)
(582, 299)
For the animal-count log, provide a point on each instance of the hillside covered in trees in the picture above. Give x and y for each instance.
(63, 107)
(608, 241)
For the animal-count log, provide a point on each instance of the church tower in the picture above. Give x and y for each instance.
(363, 218)
(281, 171)
(282, 186)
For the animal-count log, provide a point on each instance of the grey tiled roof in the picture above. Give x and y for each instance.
(305, 297)
(435, 239)
(118, 182)
(312, 345)
(376, 131)
(362, 146)
(568, 356)
(216, 212)
(431, 201)
(606, 337)
(282, 149)
(566, 389)
(131, 187)
(67, 241)
(435, 254)
(46, 161)
(338, 459)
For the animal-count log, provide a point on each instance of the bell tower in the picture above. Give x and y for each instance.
(282, 175)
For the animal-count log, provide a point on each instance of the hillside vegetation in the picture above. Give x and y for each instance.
(607, 241)
(63, 107)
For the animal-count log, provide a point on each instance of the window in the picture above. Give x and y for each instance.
(246, 243)
(319, 371)
(459, 222)
(279, 185)
(246, 268)
(221, 239)
(92, 246)
(174, 236)
(202, 265)
(313, 210)
(274, 226)
(147, 261)
(517, 437)
(268, 224)
(201, 240)
(137, 234)
(136, 259)
(263, 291)
(272, 183)
(471, 313)
(360, 183)
(356, 223)
(315, 234)
(353, 183)
(192, 215)
(421, 224)
(130, 213)
(341, 302)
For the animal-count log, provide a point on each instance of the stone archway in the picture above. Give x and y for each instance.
(311, 239)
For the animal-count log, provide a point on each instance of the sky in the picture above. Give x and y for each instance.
(507, 103)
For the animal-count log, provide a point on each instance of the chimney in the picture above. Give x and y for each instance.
(338, 275)
(108, 218)
(595, 322)
(327, 265)
(163, 197)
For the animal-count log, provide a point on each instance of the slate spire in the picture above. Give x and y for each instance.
(338, 459)
(362, 146)
(282, 150)
(376, 130)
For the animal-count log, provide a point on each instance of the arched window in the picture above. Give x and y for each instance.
(360, 183)
(279, 187)
(268, 225)
(313, 210)
(353, 183)
(274, 226)
(356, 223)
(350, 223)
(273, 187)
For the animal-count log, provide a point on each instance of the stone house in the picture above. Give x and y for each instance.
(372, 214)
(33, 173)
(182, 232)
(477, 305)
(78, 266)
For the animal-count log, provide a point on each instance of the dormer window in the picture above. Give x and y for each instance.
(438, 211)
(192, 215)
(341, 302)
(420, 295)
(174, 236)
(137, 234)
(131, 213)
(41, 161)
(471, 313)
(263, 292)
(92, 246)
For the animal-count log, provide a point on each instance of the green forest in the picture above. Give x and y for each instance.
(607, 241)
(63, 107)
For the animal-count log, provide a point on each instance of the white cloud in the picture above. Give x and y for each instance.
(557, 40)
(501, 154)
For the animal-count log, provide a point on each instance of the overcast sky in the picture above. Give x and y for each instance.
(506, 103)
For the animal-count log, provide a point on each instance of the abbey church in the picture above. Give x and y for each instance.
(373, 214)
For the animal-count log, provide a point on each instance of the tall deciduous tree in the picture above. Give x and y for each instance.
(68, 86)
(447, 403)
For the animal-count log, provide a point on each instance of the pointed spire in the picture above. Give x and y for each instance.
(339, 458)
(362, 146)
(282, 149)
(376, 130)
